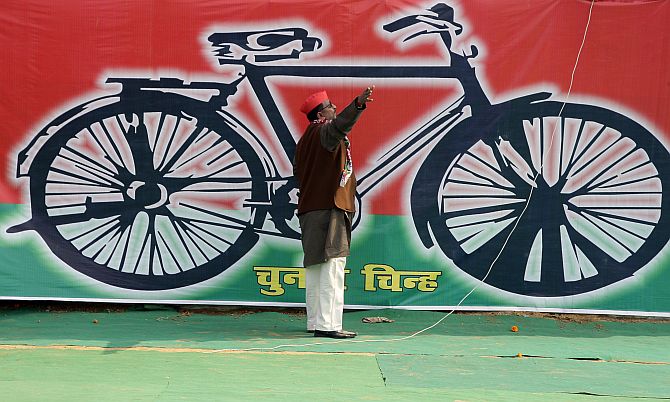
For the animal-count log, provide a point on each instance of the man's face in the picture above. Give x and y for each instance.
(329, 111)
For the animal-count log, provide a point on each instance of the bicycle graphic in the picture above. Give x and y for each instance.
(154, 189)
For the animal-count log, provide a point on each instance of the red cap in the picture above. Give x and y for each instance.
(313, 101)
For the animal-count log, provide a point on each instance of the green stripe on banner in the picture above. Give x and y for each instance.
(389, 267)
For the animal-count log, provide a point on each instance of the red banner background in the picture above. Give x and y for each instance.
(56, 53)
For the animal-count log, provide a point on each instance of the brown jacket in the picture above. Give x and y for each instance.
(319, 161)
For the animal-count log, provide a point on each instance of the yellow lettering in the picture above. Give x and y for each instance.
(385, 277)
(269, 276)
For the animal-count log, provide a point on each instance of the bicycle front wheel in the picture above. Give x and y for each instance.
(562, 205)
(149, 192)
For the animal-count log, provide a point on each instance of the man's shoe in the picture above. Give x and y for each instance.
(334, 334)
(311, 331)
(350, 332)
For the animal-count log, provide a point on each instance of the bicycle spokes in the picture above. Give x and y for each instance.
(149, 193)
(564, 200)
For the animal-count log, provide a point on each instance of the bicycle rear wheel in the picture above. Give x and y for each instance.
(148, 192)
(564, 205)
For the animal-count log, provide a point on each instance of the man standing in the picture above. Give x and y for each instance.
(324, 170)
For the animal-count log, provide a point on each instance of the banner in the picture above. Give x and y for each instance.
(515, 156)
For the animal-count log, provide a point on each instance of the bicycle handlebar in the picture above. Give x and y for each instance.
(442, 20)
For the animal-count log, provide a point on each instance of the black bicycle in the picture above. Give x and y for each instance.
(157, 188)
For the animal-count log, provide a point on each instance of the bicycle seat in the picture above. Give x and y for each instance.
(263, 46)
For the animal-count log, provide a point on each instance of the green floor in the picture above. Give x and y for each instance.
(185, 355)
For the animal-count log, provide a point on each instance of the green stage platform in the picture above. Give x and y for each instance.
(237, 354)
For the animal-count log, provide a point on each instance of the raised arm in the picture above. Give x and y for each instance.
(333, 132)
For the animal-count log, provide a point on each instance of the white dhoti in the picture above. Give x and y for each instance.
(324, 294)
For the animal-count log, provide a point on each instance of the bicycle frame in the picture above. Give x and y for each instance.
(473, 96)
